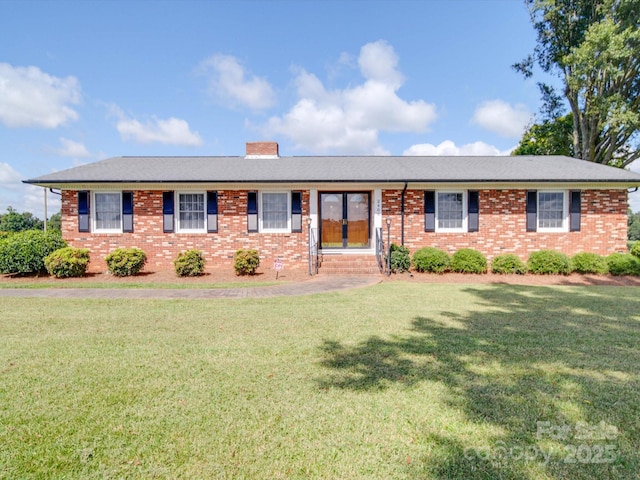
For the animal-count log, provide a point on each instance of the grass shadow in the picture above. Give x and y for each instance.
(520, 356)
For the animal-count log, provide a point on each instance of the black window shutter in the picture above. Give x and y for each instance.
(473, 210)
(296, 211)
(212, 212)
(429, 211)
(127, 211)
(252, 211)
(532, 210)
(167, 212)
(575, 205)
(83, 211)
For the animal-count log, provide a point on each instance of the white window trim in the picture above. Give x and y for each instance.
(94, 210)
(261, 227)
(565, 212)
(176, 209)
(464, 227)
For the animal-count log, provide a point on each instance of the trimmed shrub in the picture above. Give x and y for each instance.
(123, 262)
(4, 235)
(623, 264)
(67, 262)
(586, 262)
(635, 249)
(468, 260)
(246, 262)
(400, 259)
(549, 262)
(189, 263)
(508, 263)
(24, 252)
(431, 259)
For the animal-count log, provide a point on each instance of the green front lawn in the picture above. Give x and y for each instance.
(414, 381)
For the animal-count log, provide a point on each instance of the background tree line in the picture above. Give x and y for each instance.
(12, 221)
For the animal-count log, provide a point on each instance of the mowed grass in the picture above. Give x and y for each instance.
(395, 381)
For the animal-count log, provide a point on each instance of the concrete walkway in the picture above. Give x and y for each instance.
(320, 284)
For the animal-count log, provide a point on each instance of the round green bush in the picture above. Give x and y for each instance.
(67, 262)
(623, 264)
(399, 258)
(508, 263)
(431, 259)
(586, 262)
(468, 260)
(24, 252)
(189, 263)
(123, 262)
(635, 249)
(246, 262)
(549, 262)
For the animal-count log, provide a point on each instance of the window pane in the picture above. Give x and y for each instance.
(550, 209)
(108, 211)
(191, 211)
(274, 210)
(450, 212)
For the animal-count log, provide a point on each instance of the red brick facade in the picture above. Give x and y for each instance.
(162, 248)
(502, 222)
(502, 229)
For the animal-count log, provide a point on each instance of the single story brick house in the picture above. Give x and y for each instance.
(339, 208)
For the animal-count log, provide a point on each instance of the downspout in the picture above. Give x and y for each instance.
(45, 204)
(404, 191)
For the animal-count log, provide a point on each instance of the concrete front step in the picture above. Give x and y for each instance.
(348, 264)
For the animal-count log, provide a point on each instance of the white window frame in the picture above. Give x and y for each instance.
(261, 227)
(94, 211)
(565, 212)
(176, 209)
(464, 226)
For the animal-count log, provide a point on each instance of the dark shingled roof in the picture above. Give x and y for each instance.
(369, 169)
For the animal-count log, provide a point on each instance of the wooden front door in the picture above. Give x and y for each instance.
(345, 219)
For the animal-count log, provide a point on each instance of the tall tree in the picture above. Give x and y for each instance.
(593, 46)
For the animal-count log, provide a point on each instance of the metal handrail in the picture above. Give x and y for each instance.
(380, 251)
(313, 251)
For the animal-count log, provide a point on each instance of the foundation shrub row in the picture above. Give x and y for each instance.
(36, 251)
(543, 262)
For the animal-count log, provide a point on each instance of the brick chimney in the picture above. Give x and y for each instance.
(262, 150)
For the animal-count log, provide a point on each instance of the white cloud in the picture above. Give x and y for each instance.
(22, 197)
(232, 85)
(349, 120)
(172, 131)
(70, 148)
(31, 98)
(378, 61)
(499, 117)
(8, 175)
(449, 148)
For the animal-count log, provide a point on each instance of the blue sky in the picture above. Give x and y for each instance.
(82, 81)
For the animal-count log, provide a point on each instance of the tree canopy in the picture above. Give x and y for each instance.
(593, 46)
(12, 221)
(551, 137)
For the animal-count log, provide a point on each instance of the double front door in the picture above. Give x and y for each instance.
(345, 219)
